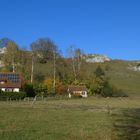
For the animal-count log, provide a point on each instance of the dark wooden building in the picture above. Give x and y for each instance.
(10, 81)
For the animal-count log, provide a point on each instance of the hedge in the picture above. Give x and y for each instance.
(12, 95)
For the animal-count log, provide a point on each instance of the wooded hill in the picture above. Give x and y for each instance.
(44, 65)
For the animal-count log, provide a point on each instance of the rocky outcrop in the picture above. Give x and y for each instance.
(96, 58)
(135, 66)
(3, 44)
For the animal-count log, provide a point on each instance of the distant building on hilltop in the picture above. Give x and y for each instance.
(11, 82)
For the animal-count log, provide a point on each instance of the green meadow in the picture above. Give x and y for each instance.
(64, 119)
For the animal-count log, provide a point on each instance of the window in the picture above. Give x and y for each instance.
(9, 89)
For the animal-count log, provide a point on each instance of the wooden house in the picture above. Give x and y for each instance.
(10, 81)
(77, 91)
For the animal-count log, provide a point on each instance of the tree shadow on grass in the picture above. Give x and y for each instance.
(127, 125)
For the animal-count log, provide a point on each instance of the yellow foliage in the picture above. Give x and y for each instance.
(60, 88)
(49, 83)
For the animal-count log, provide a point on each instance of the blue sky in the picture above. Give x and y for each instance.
(110, 27)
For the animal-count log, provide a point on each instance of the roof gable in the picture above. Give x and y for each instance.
(73, 88)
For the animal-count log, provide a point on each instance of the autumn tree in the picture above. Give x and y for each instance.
(60, 88)
(11, 56)
(25, 58)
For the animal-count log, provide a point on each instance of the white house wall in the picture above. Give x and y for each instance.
(7, 89)
(82, 93)
(16, 90)
(3, 89)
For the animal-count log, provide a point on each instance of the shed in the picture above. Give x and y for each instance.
(77, 90)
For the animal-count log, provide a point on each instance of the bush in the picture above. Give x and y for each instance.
(119, 93)
(60, 87)
(99, 72)
(110, 91)
(40, 90)
(29, 89)
(101, 86)
(12, 95)
(107, 90)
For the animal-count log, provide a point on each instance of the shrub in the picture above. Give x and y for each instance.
(107, 90)
(101, 86)
(119, 93)
(60, 87)
(110, 91)
(99, 72)
(49, 84)
(12, 95)
(29, 89)
(40, 90)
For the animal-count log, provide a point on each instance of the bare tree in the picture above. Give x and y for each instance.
(78, 55)
(71, 53)
(76, 59)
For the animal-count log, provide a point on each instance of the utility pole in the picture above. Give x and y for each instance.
(32, 69)
(54, 70)
(13, 65)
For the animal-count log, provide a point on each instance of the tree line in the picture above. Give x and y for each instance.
(47, 72)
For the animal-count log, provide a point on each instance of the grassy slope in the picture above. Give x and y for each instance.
(119, 75)
(123, 78)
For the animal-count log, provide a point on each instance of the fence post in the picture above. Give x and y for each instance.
(33, 101)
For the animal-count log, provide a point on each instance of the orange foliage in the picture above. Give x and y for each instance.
(60, 88)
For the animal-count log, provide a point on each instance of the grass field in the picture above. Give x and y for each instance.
(72, 119)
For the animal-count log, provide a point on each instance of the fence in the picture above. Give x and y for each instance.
(36, 98)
